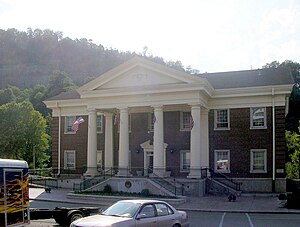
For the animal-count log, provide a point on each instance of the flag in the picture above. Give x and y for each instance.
(153, 118)
(77, 123)
(191, 122)
(116, 119)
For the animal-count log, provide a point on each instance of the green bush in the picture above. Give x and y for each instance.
(107, 189)
(145, 192)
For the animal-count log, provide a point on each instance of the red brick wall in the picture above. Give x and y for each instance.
(240, 139)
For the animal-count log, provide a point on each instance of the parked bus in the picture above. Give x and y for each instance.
(14, 193)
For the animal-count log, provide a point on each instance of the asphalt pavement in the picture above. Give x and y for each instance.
(254, 203)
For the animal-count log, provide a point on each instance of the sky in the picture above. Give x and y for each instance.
(208, 35)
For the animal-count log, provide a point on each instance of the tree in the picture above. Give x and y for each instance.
(58, 82)
(23, 133)
(293, 145)
(273, 64)
(293, 115)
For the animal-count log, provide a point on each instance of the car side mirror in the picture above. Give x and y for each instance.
(140, 216)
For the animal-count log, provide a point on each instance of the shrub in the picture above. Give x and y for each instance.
(107, 189)
(145, 192)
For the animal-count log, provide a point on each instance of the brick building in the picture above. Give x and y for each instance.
(142, 118)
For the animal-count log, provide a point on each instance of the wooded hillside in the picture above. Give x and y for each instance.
(28, 58)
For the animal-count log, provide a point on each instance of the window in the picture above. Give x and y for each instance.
(258, 117)
(258, 162)
(69, 120)
(185, 121)
(163, 209)
(151, 121)
(221, 119)
(99, 122)
(99, 158)
(69, 160)
(222, 161)
(185, 160)
(147, 212)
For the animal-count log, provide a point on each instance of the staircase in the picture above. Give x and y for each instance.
(90, 182)
(220, 184)
(166, 183)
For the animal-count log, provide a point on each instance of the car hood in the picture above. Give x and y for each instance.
(100, 221)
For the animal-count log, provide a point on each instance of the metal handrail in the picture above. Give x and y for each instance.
(237, 185)
(161, 178)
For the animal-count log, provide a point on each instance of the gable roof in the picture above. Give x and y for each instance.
(118, 77)
(71, 94)
(249, 78)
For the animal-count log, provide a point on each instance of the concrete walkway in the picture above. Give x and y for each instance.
(266, 203)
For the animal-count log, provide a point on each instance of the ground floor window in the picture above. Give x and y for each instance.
(222, 161)
(69, 159)
(99, 159)
(258, 162)
(185, 161)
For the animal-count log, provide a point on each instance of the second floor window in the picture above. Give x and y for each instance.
(221, 118)
(258, 117)
(185, 121)
(69, 120)
(99, 122)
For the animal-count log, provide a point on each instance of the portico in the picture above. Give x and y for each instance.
(154, 150)
(141, 86)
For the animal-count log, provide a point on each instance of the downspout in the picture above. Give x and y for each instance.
(59, 135)
(274, 138)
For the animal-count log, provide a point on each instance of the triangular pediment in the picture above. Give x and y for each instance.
(140, 76)
(138, 73)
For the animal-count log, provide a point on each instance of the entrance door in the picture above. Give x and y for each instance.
(15, 210)
(148, 162)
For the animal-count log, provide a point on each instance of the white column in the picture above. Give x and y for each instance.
(204, 139)
(123, 143)
(158, 142)
(195, 165)
(108, 146)
(92, 144)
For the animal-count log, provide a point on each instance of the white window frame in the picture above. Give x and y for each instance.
(251, 118)
(66, 152)
(99, 123)
(182, 153)
(252, 170)
(215, 161)
(216, 111)
(185, 121)
(68, 127)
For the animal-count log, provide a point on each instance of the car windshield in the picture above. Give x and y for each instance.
(122, 209)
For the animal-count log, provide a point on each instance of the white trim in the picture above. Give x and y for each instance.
(215, 160)
(265, 161)
(65, 159)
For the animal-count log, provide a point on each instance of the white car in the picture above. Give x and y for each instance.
(134, 213)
